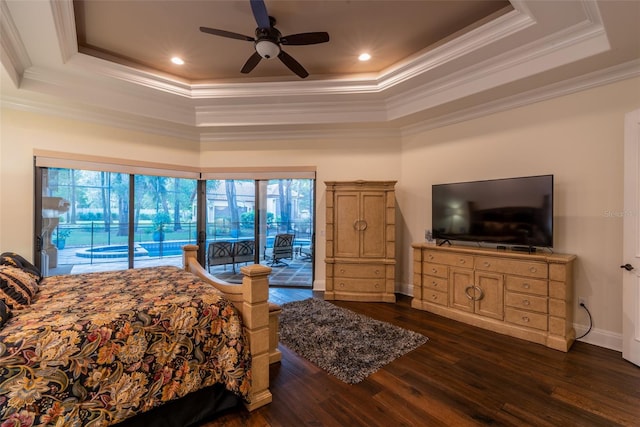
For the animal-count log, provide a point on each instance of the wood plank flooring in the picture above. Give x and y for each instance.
(463, 376)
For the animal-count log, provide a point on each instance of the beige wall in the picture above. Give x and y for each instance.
(580, 139)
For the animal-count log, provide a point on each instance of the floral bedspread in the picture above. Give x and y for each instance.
(94, 349)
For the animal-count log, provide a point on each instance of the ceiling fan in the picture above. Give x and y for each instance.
(268, 40)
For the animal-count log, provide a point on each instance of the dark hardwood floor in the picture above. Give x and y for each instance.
(463, 376)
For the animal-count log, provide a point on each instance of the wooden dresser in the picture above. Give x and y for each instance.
(528, 296)
(361, 235)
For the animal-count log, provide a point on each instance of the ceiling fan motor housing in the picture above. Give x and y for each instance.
(267, 44)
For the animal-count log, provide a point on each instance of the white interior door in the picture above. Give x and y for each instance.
(631, 241)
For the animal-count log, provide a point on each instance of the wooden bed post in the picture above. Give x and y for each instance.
(256, 319)
(251, 298)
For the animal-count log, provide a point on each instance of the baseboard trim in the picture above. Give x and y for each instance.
(319, 285)
(599, 337)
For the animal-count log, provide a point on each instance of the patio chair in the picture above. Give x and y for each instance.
(306, 252)
(243, 251)
(219, 253)
(282, 248)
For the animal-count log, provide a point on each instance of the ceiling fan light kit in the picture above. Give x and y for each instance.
(267, 49)
(268, 40)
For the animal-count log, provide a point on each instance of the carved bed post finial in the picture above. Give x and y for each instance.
(189, 255)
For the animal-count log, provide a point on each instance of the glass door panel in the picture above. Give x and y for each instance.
(164, 219)
(83, 225)
(230, 226)
(288, 210)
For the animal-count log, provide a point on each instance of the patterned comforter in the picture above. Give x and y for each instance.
(94, 349)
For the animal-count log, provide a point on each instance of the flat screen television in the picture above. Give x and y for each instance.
(515, 211)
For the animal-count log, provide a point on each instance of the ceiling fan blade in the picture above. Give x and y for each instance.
(227, 34)
(305, 38)
(251, 63)
(292, 64)
(260, 13)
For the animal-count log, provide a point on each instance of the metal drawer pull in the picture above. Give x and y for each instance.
(473, 297)
(525, 319)
(377, 271)
(526, 302)
(533, 269)
(342, 284)
(434, 297)
(462, 261)
(486, 264)
(434, 283)
(433, 270)
(360, 225)
(526, 285)
(342, 270)
(466, 292)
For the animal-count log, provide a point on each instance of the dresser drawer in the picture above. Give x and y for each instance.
(440, 284)
(525, 318)
(527, 285)
(456, 260)
(358, 285)
(437, 270)
(518, 268)
(527, 302)
(435, 297)
(359, 270)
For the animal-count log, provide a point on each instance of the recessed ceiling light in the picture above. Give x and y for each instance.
(364, 57)
(177, 61)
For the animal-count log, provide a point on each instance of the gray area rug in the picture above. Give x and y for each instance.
(348, 345)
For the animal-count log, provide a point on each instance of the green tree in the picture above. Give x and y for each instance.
(232, 203)
(284, 191)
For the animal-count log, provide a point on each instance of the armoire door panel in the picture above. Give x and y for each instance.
(373, 237)
(346, 211)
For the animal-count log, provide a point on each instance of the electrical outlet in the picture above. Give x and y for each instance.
(582, 301)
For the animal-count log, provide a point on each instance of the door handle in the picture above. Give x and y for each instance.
(627, 267)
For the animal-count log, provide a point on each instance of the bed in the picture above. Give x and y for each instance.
(152, 346)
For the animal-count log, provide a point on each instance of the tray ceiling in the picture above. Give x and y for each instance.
(433, 62)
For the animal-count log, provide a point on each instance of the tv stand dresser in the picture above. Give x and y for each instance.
(527, 296)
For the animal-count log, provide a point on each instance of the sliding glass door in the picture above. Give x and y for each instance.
(89, 221)
(248, 215)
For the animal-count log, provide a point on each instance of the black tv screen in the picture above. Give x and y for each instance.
(513, 211)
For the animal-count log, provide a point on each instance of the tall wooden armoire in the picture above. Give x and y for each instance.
(361, 239)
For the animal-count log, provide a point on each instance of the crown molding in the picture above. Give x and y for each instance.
(592, 80)
(311, 134)
(65, 27)
(364, 131)
(15, 58)
(292, 113)
(478, 38)
(80, 112)
(579, 41)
